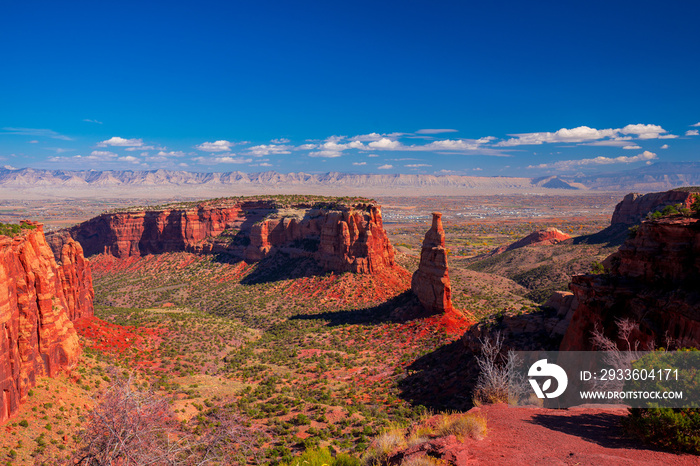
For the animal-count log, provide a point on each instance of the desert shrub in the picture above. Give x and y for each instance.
(322, 457)
(597, 268)
(496, 373)
(422, 461)
(387, 442)
(676, 429)
(695, 206)
(462, 426)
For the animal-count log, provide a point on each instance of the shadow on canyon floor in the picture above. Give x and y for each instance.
(441, 380)
(603, 429)
(384, 312)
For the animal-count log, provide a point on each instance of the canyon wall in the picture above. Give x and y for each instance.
(651, 280)
(38, 299)
(342, 238)
(431, 282)
(634, 207)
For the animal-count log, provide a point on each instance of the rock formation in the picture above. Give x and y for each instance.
(341, 237)
(651, 280)
(431, 282)
(38, 297)
(534, 331)
(634, 207)
(548, 236)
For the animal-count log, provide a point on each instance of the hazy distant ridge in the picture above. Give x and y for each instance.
(29, 182)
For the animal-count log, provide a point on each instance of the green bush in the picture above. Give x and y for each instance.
(323, 457)
(676, 429)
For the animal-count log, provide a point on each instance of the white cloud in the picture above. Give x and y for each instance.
(417, 165)
(216, 146)
(280, 141)
(449, 144)
(579, 134)
(9, 167)
(385, 167)
(586, 134)
(128, 158)
(331, 154)
(307, 147)
(222, 159)
(665, 146)
(435, 131)
(696, 124)
(173, 153)
(632, 147)
(136, 148)
(692, 132)
(643, 131)
(87, 120)
(34, 142)
(568, 164)
(372, 155)
(265, 164)
(359, 163)
(116, 141)
(269, 149)
(367, 137)
(385, 144)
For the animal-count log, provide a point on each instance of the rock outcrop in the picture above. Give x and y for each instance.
(431, 282)
(38, 297)
(533, 331)
(651, 280)
(341, 237)
(634, 207)
(545, 237)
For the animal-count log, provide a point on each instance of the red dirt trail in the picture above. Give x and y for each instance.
(577, 436)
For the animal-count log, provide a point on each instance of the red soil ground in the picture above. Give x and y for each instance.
(536, 436)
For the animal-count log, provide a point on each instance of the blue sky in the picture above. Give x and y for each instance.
(474, 88)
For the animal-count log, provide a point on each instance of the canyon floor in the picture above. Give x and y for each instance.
(311, 358)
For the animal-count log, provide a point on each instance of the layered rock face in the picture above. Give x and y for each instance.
(38, 297)
(342, 238)
(634, 207)
(652, 280)
(548, 236)
(431, 282)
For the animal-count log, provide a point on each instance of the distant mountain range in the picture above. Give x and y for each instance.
(32, 183)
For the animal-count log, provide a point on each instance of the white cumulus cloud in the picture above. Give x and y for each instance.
(359, 163)
(216, 146)
(269, 149)
(385, 167)
(692, 132)
(435, 131)
(385, 144)
(117, 141)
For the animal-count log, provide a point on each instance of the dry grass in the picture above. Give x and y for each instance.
(422, 461)
(462, 426)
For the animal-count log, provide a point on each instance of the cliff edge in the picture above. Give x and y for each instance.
(38, 299)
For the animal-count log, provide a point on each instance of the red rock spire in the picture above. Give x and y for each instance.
(431, 282)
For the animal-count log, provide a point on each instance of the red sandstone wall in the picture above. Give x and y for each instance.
(37, 299)
(652, 280)
(350, 238)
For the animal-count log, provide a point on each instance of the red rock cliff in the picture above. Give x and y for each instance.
(37, 299)
(342, 238)
(431, 282)
(548, 236)
(634, 207)
(651, 280)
